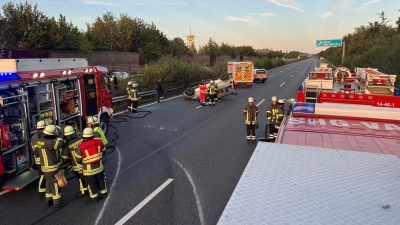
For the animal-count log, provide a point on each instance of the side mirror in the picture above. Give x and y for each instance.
(115, 83)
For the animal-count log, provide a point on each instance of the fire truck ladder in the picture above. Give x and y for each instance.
(311, 93)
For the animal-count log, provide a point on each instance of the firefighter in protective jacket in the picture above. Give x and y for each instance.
(211, 91)
(49, 147)
(274, 115)
(70, 156)
(133, 95)
(34, 139)
(291, 102)
(98, 131)
(216, 90)
(250, 113)
(91, 150)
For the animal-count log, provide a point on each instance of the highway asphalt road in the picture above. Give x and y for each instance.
(178, 165)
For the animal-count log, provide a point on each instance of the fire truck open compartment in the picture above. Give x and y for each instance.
(14, 138)
(59, 91)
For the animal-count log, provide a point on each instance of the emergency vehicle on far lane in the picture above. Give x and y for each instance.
(242, 72)
(58, 91)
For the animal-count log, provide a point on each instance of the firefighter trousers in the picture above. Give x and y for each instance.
(53, 191)
(42, 180)
(272, 130)
(251, 131)
(82, 182)
(95, 183)
(133, 106)
(211, 98)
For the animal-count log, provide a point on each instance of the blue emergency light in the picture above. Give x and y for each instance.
(303, 107)
(8, 76)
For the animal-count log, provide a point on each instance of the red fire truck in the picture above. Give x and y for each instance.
(60, 92)
(366, 86)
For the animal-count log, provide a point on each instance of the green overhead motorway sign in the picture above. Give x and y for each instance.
(328, 43)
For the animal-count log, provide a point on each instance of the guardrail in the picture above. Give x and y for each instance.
(154, 92)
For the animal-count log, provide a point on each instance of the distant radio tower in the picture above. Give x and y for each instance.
(190, 39)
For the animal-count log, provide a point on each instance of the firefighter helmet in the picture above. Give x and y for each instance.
(274, 99)
(251, 99)
(91, 120)
(134, 85)
(40, 125)
(69, 130)
(50, 130)
(130, 83)
(88, 132)
(292, 100)
(211, 81)
(281, 101)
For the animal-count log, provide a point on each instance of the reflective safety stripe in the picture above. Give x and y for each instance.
(91, 194)
(53, 168)
(248, 137)
(48, 195)
(46, 162)
(89, 171)
(253, 137)
(93, 158)
(41, 190)
(57, 195)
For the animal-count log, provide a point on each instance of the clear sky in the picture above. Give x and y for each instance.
(292, 25)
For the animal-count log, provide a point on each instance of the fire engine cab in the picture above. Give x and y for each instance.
(366, 87)
(60, 92)
(330, 164)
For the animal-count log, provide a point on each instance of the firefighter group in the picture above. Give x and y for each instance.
(82, 155)
(275, 115)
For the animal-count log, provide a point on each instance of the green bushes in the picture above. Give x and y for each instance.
(266, 63)
(173, 72)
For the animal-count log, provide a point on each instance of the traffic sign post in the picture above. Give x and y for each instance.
(332, 43)
(329, 43)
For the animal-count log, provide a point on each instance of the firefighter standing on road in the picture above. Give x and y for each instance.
(49, 149)
(91, 150)
(69, 154)
(203, 90)
(98, 131)
(133, 95)
(274, 115)
(34, 139)
(211, 93)
(216, 90)
(250, 113)
(291, 102)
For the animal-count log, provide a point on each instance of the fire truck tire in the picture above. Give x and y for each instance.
(104, 123)
(189, 91)
(223, 76)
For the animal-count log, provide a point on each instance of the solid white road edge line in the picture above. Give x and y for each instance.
(103, 208)
(282, 84)
(144, 202)
(260, 102)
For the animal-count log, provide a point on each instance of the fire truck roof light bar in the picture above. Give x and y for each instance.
(346, 110)
(8, 76)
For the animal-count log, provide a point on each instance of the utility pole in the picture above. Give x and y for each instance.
(344, 44)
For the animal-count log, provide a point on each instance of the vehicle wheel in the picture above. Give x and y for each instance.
(223, 76)
(189, 91)
(104, 123)
(264, 80)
